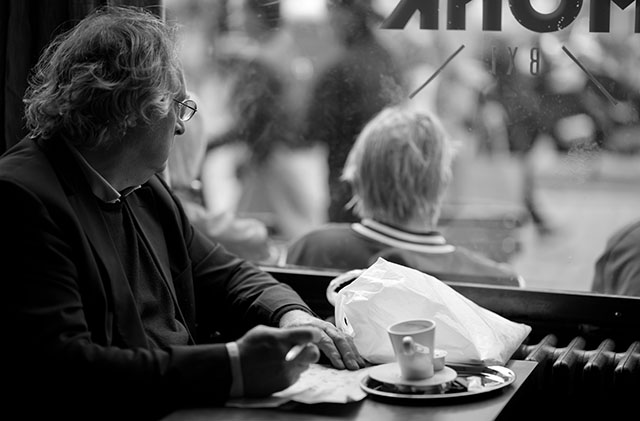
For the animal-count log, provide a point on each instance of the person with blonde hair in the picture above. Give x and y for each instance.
(398, 169)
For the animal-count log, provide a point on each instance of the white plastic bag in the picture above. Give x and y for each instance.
(386, 293)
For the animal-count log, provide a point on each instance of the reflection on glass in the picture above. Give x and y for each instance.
(546, 123)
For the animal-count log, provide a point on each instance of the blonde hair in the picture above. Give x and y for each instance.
(400, 166)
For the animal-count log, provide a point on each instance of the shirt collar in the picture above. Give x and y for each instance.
(427, 242)
(100, 187)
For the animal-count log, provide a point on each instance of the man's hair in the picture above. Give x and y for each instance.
(117, 68)
(400, 166)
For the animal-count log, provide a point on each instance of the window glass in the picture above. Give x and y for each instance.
(541, 99)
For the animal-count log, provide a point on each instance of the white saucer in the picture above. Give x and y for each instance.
(390, 373)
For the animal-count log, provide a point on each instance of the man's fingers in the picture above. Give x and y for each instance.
(359, 359)
(345, 349)
(339, 348)
(329, 349)
(302, 334)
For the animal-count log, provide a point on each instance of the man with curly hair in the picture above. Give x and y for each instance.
(116, 307)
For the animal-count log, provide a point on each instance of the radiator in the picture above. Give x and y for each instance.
(575, 370)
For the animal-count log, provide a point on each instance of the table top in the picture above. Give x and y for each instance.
(485, 407)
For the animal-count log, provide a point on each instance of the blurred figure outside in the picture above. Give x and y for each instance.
(259, 166)
(398, 169)
(256, 164)
(356, 84)
(245, 237)
(514, 103)
(617, 270)
(257, 29)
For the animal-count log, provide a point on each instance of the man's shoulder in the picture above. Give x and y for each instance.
(474, 263)
(26, 164)
(22, 151)
(334, 245)
(330, 236)
(330, 231)
(627, 236)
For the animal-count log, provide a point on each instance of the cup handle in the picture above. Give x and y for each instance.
(408, 345)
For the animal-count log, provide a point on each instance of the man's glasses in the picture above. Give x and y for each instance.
(186, 109)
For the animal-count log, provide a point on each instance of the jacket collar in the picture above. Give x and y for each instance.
(425, 242)
(99, 185)
(85, 205)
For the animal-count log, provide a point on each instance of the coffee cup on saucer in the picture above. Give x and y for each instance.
(419, 365)
(413, 344)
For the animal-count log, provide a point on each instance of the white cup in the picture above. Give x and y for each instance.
(413, 343)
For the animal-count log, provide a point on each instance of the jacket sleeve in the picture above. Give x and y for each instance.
(233, 295)
(230, 295)
(61, 364)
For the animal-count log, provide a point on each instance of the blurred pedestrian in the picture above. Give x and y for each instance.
(517, 95)
(246, 237)
(260, 166)
(359, 82)
(617, 269)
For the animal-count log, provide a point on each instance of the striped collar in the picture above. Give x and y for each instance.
(429, 242)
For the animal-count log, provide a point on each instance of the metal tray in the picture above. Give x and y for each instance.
(471, 381)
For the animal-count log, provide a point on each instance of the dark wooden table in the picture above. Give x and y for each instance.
(509, 402)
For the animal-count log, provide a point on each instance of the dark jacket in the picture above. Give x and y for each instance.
(74, 338)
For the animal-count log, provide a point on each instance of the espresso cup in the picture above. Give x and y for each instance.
(413, 344)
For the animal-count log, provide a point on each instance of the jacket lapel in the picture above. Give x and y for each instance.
(153, 235)
(127, 320)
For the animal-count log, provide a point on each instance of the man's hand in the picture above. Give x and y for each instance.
(337, 346)
(262, 357)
